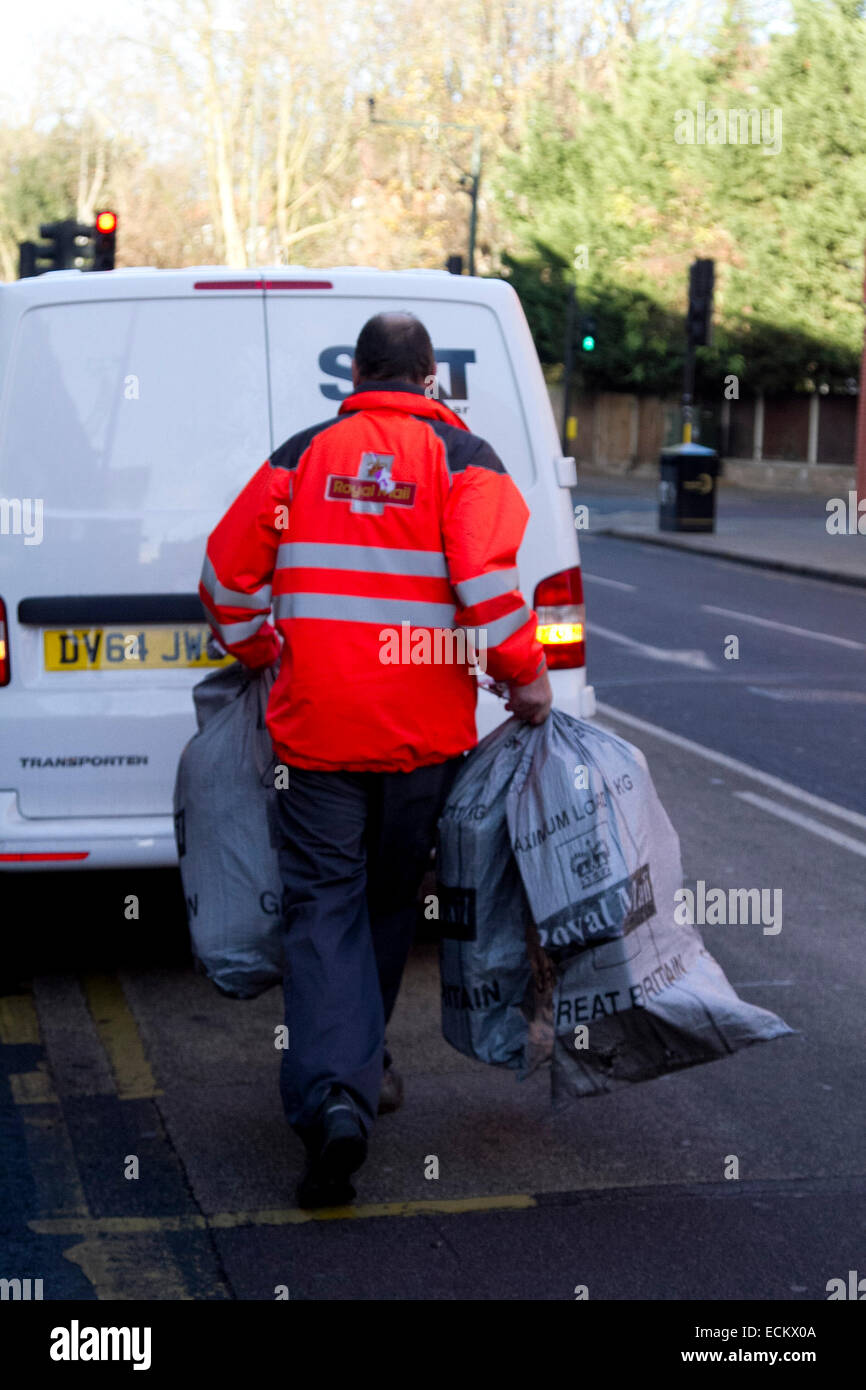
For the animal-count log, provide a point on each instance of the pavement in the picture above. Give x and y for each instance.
(771, 530)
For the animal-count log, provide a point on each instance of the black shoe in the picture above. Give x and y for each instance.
(338, 1150)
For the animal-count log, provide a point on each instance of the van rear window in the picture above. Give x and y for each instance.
(311, 341)
(136, 406)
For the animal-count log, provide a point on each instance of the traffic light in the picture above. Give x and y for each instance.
(104, 238)
(69, 245)
(699, 324)
(59, 251)
(587, 333)
(63, 250)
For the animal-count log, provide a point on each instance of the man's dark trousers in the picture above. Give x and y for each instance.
(354, 847)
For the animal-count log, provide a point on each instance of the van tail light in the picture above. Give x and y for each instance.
(559, 608)
(263, 285)
(4, 646)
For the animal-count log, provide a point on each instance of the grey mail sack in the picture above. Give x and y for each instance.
(224, 804)
(557, 869)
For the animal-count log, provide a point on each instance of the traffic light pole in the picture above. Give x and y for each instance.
(699, 332)
(26, 260)
(470, 183)
(474, 183)
(568, 367)
(861, 423)
(688, 391)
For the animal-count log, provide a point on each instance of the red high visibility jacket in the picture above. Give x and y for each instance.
(374, 537)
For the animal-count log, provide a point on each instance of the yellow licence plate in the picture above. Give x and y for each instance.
(128, 648)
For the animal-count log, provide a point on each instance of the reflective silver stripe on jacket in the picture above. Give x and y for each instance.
(355, 608)
(370, 559)
(233, 597)
(484, 586)
(238, 632)
(496, 632)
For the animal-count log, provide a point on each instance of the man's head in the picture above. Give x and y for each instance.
(394, 347)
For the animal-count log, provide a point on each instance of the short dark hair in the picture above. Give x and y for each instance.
(395, 346)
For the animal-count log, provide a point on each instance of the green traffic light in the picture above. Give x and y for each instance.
(588, 343)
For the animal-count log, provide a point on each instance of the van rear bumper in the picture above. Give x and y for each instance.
(122, 842)
(105, 842)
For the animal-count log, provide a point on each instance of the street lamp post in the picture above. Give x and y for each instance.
(474, 181)
(470, 182)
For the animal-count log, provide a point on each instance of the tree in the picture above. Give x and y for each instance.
(783, 217)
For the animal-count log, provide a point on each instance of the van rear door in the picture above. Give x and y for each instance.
(312, 335)
(133, 412)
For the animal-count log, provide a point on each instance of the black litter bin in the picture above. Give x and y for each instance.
(687, 488)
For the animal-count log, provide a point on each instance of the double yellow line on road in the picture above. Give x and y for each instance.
(18, 1020)
(291, 1216)
(117, 1031)
(119, 1035)
(19, 1025)
(119, 1267)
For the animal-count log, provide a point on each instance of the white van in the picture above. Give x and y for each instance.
(134, 406)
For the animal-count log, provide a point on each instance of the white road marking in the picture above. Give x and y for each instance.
(614, 583)
(811, 697)
(776, 784)
(786, 627)
(816, 827)
(761, 984)
(696, 659)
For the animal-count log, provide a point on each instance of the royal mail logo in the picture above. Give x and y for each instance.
(371, 487)
(347, 489)
(591, 860)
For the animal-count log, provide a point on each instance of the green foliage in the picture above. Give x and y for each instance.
(785, 228)
(39, 184)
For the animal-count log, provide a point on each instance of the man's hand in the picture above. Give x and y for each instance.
(532, 702)
(273, 655)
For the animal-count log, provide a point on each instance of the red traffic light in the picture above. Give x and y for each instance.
(106, 222)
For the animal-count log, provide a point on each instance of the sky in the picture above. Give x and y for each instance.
(27, 29)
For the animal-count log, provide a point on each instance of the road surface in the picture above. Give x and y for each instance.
(115, 1050)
